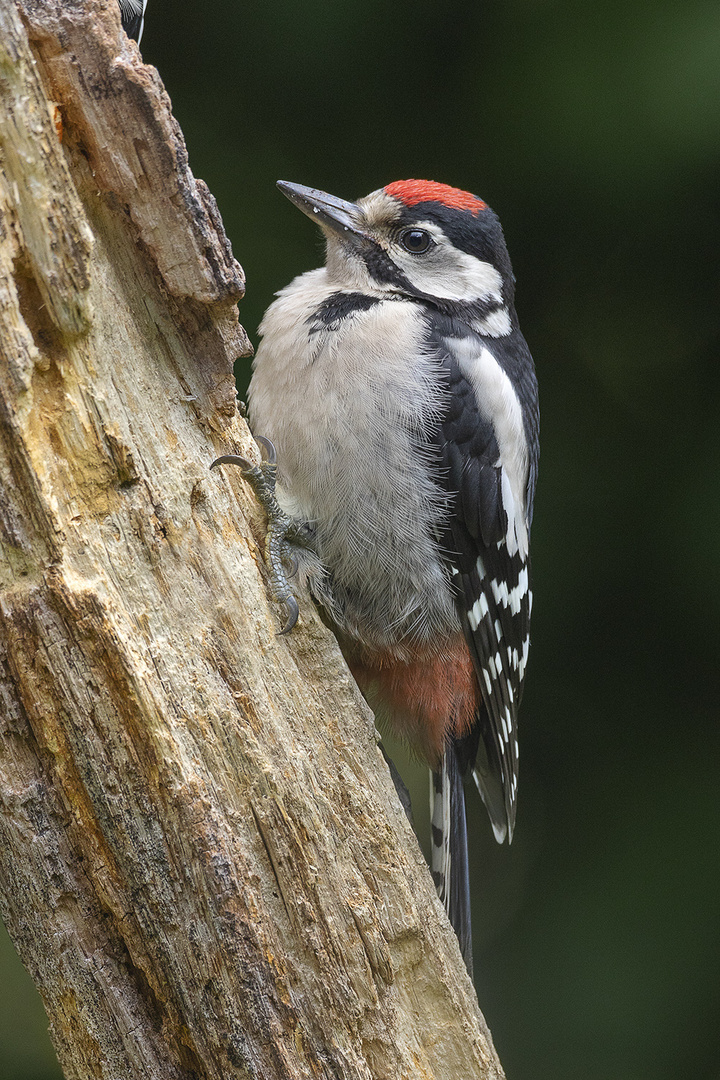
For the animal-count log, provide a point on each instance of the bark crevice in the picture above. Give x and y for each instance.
(204, 866)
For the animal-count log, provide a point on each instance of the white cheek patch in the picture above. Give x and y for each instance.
(447, 272)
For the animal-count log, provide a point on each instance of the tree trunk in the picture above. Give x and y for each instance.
(205, 867)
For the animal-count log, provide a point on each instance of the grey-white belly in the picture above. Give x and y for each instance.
(351, 433)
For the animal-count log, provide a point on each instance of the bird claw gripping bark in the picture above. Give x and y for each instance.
(282, 530)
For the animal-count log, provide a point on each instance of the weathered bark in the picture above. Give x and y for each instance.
(203, 863)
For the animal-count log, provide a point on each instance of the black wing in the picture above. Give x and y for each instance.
(486, 544)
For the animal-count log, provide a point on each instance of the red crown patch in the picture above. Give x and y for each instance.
(412, 192)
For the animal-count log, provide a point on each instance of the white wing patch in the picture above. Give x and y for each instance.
(498, 402)
(517, 595)
(479, 611)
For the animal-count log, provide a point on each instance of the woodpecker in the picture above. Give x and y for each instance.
(401, 401)
(132, 16)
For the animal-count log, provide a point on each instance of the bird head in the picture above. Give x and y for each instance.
(423, 240)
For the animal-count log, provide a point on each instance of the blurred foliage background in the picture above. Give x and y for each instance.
(594, 131)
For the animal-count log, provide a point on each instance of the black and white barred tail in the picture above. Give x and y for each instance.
(132, 15)
(449, 848)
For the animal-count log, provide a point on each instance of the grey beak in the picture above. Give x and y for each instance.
(326, 210)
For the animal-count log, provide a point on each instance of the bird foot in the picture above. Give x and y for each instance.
(282, 531)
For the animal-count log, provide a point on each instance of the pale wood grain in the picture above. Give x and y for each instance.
(204, 864)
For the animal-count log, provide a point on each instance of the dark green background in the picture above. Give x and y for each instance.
(594, 131)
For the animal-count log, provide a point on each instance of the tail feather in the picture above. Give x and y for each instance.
(493, 796)
(449, 849)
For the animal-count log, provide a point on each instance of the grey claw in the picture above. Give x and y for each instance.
(270, 454)
(233, 459)
(262, 480)
(293, 611)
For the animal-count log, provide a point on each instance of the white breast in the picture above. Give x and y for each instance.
(347, 409)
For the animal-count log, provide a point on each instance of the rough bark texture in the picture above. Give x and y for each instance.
(203, 862)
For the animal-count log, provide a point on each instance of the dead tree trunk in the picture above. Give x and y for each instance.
(203, 863)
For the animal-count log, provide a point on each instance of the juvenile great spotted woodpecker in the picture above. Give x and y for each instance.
(400, 398)
(132, 17)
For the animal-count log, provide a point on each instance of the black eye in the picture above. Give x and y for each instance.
(416, 241)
